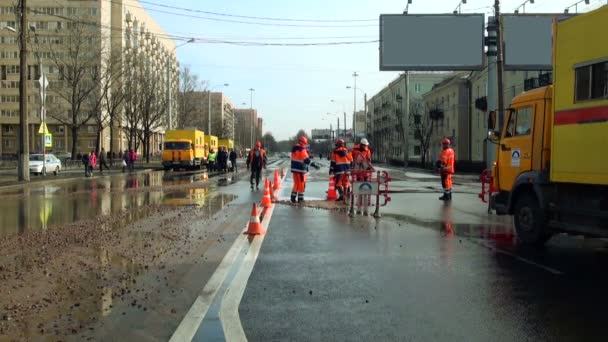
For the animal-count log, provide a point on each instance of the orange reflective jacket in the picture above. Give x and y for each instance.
(447, 160)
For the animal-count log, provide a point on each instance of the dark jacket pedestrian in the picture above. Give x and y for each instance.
(223, 159)
(103, 160)
(256, 161)
(233, 157)
(86, 162)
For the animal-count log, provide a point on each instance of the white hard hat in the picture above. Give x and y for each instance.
(364, 142)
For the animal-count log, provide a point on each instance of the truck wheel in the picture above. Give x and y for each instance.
(530, 221)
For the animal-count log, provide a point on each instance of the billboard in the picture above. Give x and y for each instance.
(321, 134)
(528, 40)
(431, 42)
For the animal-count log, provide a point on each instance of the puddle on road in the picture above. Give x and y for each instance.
(53, 205)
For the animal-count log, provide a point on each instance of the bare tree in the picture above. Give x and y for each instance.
(76, 54)
(422, 126)
(188, 107)
(153, 105)
(113, 94)
(131, 120)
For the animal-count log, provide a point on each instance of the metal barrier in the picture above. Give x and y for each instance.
(486, 178)
(365, 184)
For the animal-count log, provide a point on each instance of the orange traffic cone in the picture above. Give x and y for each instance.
(331, 192)
(266, 200)
(255, 227)
(277, 180)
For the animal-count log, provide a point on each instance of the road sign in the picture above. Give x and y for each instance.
(365, 188)
(43, 129)
(48, 140)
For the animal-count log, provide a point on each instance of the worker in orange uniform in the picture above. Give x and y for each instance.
(299, 168)
(362, 156)
(446, 169)
(341, 159)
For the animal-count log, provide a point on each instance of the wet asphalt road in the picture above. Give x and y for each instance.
(423, 272)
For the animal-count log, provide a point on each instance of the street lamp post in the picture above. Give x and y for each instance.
(253, 124)
(458, 9)
(338, 126)
(524, 6)
(209, 105)
(575, 5)
(364, 105)
(169, 93)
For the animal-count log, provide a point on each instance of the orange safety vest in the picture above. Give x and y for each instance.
(340, 160)
(447, 160)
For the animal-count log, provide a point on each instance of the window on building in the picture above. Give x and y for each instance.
(58, 143)
(59, 129)
(92, 143)
(417, 150)
(8, 129)
(91, 129)
(591, 82)
(7, 143)
(520, 122)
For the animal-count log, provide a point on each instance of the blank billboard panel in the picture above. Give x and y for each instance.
(431, 42)
(528, 40)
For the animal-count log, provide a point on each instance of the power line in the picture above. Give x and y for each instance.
(240, 21)
(213, 41)
(258, 18)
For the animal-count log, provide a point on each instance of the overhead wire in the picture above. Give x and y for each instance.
(254, 17)
(241, 21)
(210, 40)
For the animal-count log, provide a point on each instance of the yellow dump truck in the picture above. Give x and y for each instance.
(226, 143)
(211, 143)
(552, 167)
(184, 149)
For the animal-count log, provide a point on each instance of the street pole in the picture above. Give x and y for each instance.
(344, 124)
(209, 111)
(355, 75)
(169, 97)
(251, 90)
(24, 149)
(499, 64)
(406, 117)
(492, 87)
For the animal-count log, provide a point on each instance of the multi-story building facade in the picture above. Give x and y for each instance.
(360, 126)
(388, 115)
(121, 30)
(450, 102)
(246, 127)
(222, 114)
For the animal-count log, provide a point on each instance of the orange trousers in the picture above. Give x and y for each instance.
(299, 182)
(342, 180)
(446, 181)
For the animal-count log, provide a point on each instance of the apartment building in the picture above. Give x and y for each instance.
(121, 29)
(222, 113)
(246, 127)
(388, 115)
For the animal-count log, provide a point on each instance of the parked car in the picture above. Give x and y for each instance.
(53, 164)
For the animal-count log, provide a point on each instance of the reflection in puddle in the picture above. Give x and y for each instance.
(49, 205)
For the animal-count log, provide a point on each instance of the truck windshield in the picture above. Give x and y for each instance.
(176, 145)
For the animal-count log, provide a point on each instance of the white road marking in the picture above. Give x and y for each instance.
(191, 322)
(229, 312)
(232, 326)
(524, 260)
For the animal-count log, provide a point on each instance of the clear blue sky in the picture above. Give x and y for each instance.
(294, 85)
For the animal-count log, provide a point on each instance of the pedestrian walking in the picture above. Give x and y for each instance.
(125, 160)
(92, 162)
(256, 161)
(446, 169)
(102, 161)
(300, 160)
(86, 162)
(212, 159)
(132, 159)
(223, 160)
(233, 158)
(341, 160)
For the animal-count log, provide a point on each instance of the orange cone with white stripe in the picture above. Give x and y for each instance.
(331, 192)
(255, 227)
(277, 180)
(266, 199)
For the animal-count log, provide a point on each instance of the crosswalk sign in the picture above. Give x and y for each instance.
(48, 140)
(43, 129)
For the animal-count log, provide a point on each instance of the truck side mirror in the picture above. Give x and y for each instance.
(493, 131)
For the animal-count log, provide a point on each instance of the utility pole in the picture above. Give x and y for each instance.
(499, 64)
(253, 123)
(355, 75)
(24, 149)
